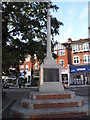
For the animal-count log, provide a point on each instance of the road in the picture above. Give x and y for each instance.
(12, 94)
(82, 91)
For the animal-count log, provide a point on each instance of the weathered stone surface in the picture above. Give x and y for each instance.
(50, 72)
(45, 105)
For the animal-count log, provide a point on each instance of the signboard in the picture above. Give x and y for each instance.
(83, 68)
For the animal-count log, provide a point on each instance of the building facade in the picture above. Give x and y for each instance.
(62, 59)
(80, 67)
(29, 65)
(74, 57)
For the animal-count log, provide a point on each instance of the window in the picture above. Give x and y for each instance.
(61, 62)
(35, 56)
(76, 60)
(89, 58)
(86, 58)
(22, 68)
(36, 65)
(26, 67)
(61, 52)
(27, 59)
(85, 46)
(75, 48)
(80, 47)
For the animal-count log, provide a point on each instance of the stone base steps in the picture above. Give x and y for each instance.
(19, 112)
(45, 96)
(50, 105)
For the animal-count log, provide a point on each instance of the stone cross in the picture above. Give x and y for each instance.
(49, 53)
(50, 72)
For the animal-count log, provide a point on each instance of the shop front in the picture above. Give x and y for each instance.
(65, 76)
(80, 75)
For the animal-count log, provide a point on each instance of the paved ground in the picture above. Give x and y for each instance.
(12, 94)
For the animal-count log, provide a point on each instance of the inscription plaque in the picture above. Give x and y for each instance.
(51, 75)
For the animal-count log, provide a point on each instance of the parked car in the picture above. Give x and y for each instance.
(8, 81)
(5, 85)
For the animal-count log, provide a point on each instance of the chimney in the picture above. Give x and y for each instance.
(69, 40)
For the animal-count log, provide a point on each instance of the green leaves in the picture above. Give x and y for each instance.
(22, 22)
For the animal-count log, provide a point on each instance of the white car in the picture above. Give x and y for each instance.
(9, 80)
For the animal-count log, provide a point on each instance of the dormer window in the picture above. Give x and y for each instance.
(75, 48)
(61, 52)
(85, 46)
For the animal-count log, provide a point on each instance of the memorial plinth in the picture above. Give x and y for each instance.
(50, 78)
(50, 72)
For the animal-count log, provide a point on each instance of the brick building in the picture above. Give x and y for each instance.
(28, 65)
(74, 57)
(63, 52)
(80, 67)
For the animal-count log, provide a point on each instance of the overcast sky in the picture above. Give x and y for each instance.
(74, 16)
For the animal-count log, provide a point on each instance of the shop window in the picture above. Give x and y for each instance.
(61, 52)
(61, 62)
(76, 60)
(65, 78)
(77, 79)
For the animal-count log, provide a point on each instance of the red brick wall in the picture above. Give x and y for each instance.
(63, 57)
(81, 57)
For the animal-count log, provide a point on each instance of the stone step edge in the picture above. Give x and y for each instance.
(25, 113)
(53, 93)
(43, 96)
(58, 115)
(26, 103)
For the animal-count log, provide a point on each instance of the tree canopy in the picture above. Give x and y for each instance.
(24, 26)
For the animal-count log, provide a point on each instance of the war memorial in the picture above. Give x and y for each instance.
(52, 100)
